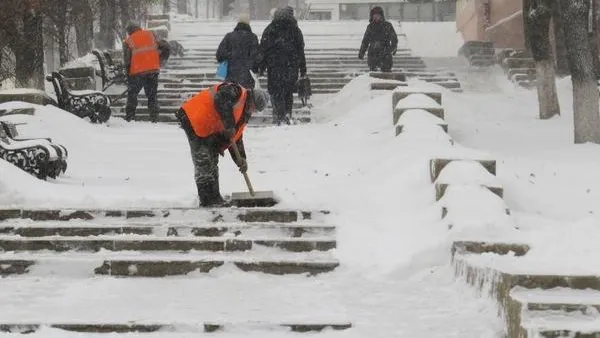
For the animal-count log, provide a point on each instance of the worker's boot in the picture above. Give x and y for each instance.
(218, 200)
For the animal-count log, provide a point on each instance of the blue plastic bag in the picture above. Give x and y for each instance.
(222, 70)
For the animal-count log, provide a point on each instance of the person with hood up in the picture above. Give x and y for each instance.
(282, 56)
(240, 49)
(141, 56)
(380, 40)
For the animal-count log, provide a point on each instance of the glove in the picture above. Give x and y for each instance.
(242, 165)
(303, 73)
(361, 56)
(228, 133)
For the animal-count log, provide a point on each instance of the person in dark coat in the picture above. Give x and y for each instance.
(282, 56)
(380, 40)
(240, 49)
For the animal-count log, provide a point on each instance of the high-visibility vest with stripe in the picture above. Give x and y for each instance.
(145, 56)
(206, 120)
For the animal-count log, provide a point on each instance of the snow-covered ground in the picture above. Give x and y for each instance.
(394, 250)
(395, 278)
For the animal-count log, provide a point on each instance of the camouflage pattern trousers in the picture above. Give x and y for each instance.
(205, 158)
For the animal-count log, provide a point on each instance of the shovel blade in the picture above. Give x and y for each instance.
(260, 199)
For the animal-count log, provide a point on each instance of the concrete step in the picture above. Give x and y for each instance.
(315, 91)
(229, 301)
(310, 59)
(314, 63)
(255, 120)
(143, 244)
(161, 264)
(555, 324)
(311, 68)
(557, 299)
(210, 76)
(512, 62)
(201, 216)
(169, 329)
(171, 110)
(171, 80)
(82, 229)
(166, 101)
(201, 86)
(307, 51)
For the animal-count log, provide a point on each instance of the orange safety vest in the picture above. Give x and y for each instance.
(144, 52)
(204, 118)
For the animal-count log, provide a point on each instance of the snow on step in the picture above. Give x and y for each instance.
(27, 228)
(417, 100)
(426, 88)
(164, 263)
(557, 299)
(474, 212)
(424, 131)
(467, 173)
(419, 117)
(143, 243)
(224, 295)
(560, 324)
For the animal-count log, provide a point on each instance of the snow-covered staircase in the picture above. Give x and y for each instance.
(332, 62)
(534, 303)
(208, 253)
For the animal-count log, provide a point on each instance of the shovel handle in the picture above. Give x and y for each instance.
(238, 158)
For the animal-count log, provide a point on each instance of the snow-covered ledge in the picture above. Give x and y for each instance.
(419, 117)
(418, 101)
(432, 91)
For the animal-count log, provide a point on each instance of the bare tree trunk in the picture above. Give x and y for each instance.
(166, 6)
(560, 53)
(29, 53)
(536, 19)
(585, 88)
(125, 17)
(108, 22)
(592, 38)
(84, 26)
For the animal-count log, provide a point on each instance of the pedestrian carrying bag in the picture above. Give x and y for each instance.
(222, 70)
(304, 90)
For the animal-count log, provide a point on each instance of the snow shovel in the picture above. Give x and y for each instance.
(251, 198)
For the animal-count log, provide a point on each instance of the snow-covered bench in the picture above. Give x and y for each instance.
(110, 72)
(31, 156)
(82, 103)
(57, 165)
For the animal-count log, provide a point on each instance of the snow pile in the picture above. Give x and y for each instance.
(467, 172)
(474, 212)
(418, 101)
(355, 92)
(88, 60)
(419, 117)
(426, 132)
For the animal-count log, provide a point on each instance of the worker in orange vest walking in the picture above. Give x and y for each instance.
(142, 62)
(213, 120)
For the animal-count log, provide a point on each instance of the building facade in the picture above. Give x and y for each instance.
(402, 10)
(500, 21)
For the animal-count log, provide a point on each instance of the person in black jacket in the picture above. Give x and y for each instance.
(381, 40)
(282, 56)
(240, 49)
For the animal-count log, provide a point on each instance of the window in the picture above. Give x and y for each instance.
(320, 15)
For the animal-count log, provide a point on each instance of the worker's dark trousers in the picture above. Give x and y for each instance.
(134, 85)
